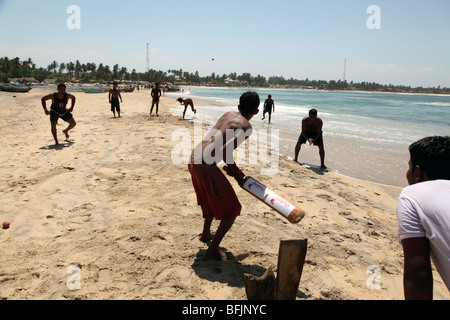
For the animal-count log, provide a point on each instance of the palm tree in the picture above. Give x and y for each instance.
(116, 71)
(123, 73)
(62, 67)
(70, 68)
(77, 69)
(53, 66)
(91, 67)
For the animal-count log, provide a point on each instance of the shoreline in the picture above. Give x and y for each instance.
(265, 88)
(207, 100)
(341, 153)
(318, 90)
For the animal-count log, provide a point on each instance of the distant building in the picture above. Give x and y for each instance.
(49, 81)
(231, 81)
(23, 80)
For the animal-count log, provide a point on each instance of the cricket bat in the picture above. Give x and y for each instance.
(289, 211)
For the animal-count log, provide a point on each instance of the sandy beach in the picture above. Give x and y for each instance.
(110, 208)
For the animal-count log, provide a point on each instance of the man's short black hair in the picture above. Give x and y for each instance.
(313, 112)
(249, 102)
(61, 85)
(432, 155)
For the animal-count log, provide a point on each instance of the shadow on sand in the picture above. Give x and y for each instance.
(61, 146)
(230, 272)
(317, 169)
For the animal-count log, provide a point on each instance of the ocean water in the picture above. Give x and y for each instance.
(366, 135)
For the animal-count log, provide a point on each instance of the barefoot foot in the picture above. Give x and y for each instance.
(66, 134)
(216, 255)
(207, 237)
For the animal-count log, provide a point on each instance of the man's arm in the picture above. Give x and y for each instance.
(239, 136)
(72, 97)
(318, 129)
(43, 101)
(304, 125)
(417, 277)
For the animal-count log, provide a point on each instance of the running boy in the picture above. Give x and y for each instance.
(214, 192)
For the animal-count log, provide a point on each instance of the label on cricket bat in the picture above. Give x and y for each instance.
(285, 208)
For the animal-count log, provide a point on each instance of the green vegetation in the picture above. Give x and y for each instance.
(92, 73)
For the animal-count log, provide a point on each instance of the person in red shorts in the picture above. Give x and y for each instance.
(215, 194)
(187, 102)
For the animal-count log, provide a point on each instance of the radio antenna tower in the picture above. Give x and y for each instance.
(148, 59)
(345, 66)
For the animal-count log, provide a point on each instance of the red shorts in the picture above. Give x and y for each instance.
(214, 192)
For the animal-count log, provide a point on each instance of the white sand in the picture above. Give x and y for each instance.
(113, 204)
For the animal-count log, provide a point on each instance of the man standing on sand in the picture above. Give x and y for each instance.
(187, 102)
(423, 214)
(214, 192)
(114, 95)
(58, 110)
(312, 132)
(156, 93)
(269, 105)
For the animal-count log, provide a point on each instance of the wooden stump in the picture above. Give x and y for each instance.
(291, 258)
(260, 288)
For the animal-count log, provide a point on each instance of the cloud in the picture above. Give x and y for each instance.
(427, 69)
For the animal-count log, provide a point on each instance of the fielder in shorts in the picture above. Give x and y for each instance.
(59, 110)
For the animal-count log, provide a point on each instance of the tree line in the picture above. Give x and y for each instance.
(92, 73)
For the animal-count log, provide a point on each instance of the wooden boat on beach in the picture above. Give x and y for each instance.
(128, 89)
(14, 88)
(171, 88)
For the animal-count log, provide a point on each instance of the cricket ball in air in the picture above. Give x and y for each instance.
(6, 225)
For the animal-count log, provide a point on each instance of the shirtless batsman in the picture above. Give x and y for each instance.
(58, 110)
(312, 132)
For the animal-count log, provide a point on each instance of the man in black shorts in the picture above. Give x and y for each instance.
(59, 110)
(312, 132)
(114, 95)
(269, 105)
(156, 94)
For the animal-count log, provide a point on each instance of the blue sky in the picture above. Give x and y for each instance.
(289, 38)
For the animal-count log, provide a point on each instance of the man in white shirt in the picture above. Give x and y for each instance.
(423, 215)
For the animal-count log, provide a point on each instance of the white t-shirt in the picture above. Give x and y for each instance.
(424, 211)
